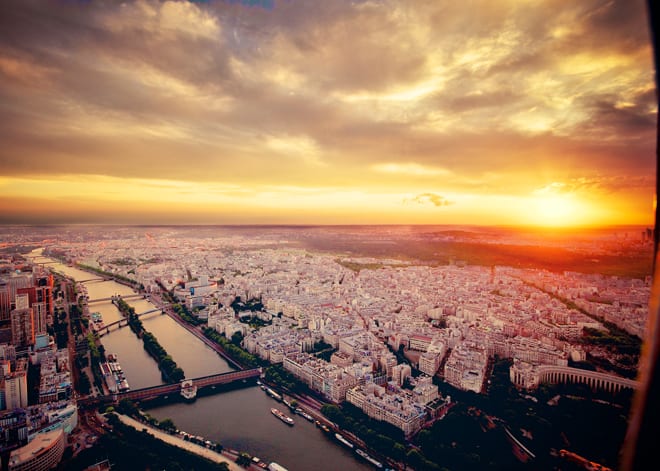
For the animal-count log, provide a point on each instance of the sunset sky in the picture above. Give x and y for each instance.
(331, 112)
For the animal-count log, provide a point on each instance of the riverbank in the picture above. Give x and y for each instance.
(169, 369)
(208, 342)
(238, 418)
(180, 443)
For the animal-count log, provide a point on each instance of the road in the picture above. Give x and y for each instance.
(181, 443)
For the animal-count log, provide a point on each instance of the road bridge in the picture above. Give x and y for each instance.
(204, 381)
(41, 260)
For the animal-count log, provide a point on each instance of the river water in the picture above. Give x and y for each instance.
(238, 419)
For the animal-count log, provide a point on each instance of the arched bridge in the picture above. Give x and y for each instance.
(112, 298)
(167, 389)
(595, 380)
(124, 322)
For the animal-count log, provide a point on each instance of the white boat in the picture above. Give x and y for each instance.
(273, 394)
(282, 416)
(343, 440)
(370, 459)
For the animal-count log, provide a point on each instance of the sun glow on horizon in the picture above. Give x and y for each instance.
(167, 201)
(341, 113)
(557, 211)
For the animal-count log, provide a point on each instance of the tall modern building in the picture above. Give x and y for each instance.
(16, 391)
(40, 297)
(5, 300)
(40, 318)
(39, 290)
(22, 322)
(19, 281)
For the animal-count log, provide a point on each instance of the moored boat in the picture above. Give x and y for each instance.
(343, 440)
(283, 417)
(369, 458)
(322, 426)
(113, 375)
(276, 467)
(273, 394)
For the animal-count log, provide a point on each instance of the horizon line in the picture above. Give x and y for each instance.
(266, 225)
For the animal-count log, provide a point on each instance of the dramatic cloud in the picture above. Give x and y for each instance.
(370, 100)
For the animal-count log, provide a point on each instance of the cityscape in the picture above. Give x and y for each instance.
(297, 235)
(390, 354)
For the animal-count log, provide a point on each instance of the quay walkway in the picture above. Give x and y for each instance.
(181, 443)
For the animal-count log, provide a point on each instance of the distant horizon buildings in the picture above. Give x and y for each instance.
(648, 235)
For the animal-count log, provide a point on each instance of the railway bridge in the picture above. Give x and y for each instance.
(154, 392)
(113, 298)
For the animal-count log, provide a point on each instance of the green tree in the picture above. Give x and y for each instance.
(398, 451)
(126, 406)
(167, 424)
(84, 385)
(243, 460)
(237, 338)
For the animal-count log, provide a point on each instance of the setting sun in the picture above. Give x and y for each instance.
(556, 210)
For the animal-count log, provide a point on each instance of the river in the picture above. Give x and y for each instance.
(239, 418)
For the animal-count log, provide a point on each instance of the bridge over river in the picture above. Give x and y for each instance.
(113, 298)
(105, 330)
(162, 390)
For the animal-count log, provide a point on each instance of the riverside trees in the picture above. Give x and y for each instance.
(169, 370)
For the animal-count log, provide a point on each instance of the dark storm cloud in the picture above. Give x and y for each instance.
(618, 24)
(635, 119)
